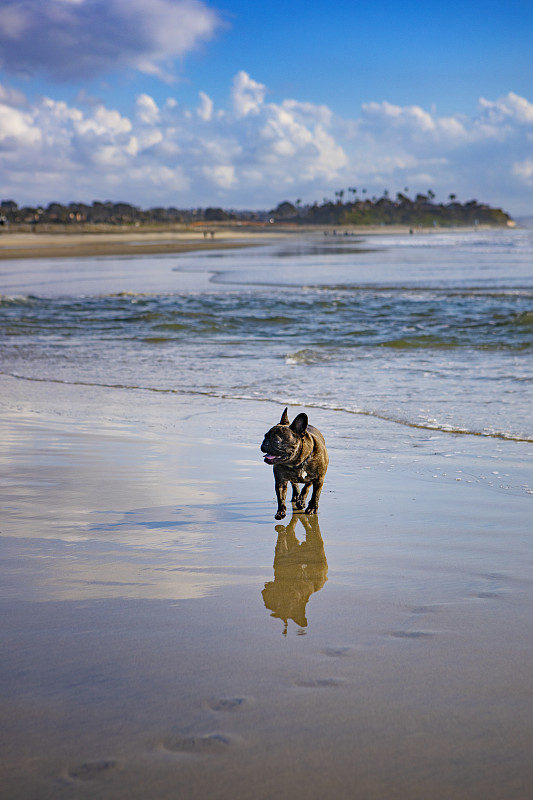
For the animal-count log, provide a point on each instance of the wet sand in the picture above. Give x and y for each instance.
(74, 244)
(80, 245)
(164, 637)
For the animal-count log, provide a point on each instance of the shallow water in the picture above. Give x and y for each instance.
(427, 330)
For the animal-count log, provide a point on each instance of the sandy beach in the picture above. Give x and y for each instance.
(79, 245)
(150, 646)
(163, 636)
(74, 244)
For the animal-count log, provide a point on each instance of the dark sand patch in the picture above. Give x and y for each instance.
(197, 745)
(225, 704)
(91, 770)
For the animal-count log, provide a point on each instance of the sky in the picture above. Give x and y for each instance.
(193, 103)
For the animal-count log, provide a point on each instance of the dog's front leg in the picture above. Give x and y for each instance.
(296, 499)
(312, 508)
(281, 494)
(300, 504)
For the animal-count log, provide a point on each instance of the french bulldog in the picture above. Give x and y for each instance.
(298, 454)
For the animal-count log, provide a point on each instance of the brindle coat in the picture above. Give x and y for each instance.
(298, 454)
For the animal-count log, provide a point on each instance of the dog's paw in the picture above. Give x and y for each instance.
(311, 510)
(280, 514)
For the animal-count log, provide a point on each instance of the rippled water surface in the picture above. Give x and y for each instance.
(433, 331)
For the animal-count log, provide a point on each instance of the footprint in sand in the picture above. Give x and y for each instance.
(92, 770)
(227, 703)
(411, 634)
(337, 652)
(493, 587)
(425, 609)
(212, 743)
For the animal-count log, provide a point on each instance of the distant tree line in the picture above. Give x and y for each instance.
(422, 210)
(109, 213)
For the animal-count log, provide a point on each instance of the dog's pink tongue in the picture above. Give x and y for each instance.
(270, 459)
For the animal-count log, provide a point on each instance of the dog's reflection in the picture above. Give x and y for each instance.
(300, 568)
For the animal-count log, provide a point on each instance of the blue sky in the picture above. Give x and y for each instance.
(187, 103)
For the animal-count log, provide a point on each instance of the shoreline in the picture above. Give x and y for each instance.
(15, 245)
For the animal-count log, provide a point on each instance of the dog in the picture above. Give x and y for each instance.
(298, 454)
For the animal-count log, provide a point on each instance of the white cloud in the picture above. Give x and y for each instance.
(11, 97)
(171, 180)
(283, 131)
(309, 112)
(247, 95)
(412, 117)
(255, 153)
(330, 156)
(510, 108)
(102, 122)
(73, 39)
(222, 175)
(524, 171)
(14, 21)
(410, 123)
(205, 109)
(17, 129)
(146, 109)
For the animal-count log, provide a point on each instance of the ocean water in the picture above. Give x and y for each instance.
(431, 331)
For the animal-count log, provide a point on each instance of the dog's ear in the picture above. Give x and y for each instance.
(299, 424)
(284, 418)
